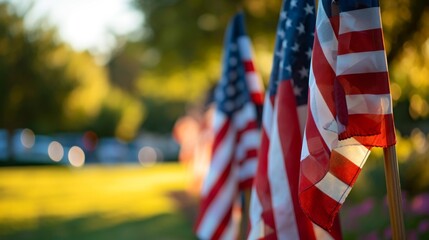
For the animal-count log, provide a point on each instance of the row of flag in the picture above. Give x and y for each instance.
(327, 104)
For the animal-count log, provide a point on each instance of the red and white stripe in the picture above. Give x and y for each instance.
(234, 160)
(232, 168)
(276, 213)
(342, 127)
(253, 79)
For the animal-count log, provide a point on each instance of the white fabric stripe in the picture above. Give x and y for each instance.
(279, 186)
(360, 20)
(242, 117)
(267, 116)
(323, 118)
(354, 151)
(327, 39)
(257, 226)
(249, 140)
(369, 104)
(248, 169)
(361, 62)
(321, 234)
(304, 151)
(218, 120)
(245, 48)
(254, 82)
(231, 230)
(321, 114)
(220, 160)
(334, 187)
(217, 208)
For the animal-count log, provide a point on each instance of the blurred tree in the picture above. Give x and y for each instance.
(182, 46)
(34, 86)
(124, 66)
(121, 115)
(186, 38)
(406, 29)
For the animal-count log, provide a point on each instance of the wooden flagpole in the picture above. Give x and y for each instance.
(394, 193)
(244, 224)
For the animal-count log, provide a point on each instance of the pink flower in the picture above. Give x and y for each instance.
(420, 204)
(361, 209)
(388, 233)
(423, 226)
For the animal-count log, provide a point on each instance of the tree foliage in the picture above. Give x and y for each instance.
(188, 38)
(34, 85)
(406, 29)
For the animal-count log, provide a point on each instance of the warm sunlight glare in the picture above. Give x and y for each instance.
(116, 195)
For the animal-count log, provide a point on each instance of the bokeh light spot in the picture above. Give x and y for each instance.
(147, 156)
(27, 138)
(396, 91)
(55, 151)
(208, 22)
(90, 140)
(76, 156)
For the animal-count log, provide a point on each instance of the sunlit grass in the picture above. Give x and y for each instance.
(115, 194)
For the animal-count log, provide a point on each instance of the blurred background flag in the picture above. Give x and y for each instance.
(348, 60)
(238, 100)
(275, 212)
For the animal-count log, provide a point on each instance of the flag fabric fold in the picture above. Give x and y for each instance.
(238, 99)
(350, 107)
(275, 212)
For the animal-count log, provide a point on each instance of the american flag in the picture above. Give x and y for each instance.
(238, 96)
(350, 107)
(275, 212)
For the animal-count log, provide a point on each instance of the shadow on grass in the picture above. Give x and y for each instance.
(176, 225)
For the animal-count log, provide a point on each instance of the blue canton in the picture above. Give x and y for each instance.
(232, 91)
(293, 48)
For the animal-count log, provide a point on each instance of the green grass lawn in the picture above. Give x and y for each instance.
(96, 202)
(134, 202)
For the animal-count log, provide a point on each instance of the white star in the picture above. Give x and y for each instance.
(295, 47)
(308, 9)
(292, 3)
(297, 90)
(281, 63)
(283, 15)
(288, 68)
(288, 23)
(219, 94)
(308, 53)
(281, 33)
(284, 44)
(301, 28)
(303, 72)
